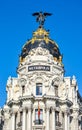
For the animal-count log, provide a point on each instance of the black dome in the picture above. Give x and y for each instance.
(41, 39)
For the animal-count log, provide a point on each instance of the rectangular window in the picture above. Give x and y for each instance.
(56, 90)
(39, 89)
(21, 114)
(38, 118)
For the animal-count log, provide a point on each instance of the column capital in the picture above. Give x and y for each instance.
(13, 112)
(24, 108)
(67, 112)
(47, 108)
(29, 108)
(53, 109)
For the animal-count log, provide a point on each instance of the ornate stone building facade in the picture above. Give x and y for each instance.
(40, 97)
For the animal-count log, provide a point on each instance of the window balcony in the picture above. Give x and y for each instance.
(58, 123)
(38, 122)
(19, 126)
(38, 127)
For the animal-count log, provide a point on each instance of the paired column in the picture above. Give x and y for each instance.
(24, 119)
(27, 117)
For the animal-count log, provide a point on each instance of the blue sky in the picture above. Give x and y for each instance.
(17, 25)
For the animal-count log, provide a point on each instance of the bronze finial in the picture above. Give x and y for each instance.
(40, 17)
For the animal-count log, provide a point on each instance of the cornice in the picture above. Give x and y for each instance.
(66, 101)
(25, 98)
(50, 97)
(13, 102)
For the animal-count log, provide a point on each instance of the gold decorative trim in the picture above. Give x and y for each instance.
(41, 31)
(22, 59)
(58, 60)
(39, 35)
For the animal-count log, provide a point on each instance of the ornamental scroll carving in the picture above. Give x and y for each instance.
(39, 51)
(56, 81)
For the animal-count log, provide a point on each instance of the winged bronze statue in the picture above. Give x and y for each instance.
(40, 17)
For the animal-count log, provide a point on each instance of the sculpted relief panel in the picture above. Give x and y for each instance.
(39, 51)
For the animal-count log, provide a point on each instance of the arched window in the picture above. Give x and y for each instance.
(23, 89)
(38, 88)
(56, 90)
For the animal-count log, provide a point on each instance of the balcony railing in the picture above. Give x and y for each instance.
(38, 122)
(19, 124)
(58, 123)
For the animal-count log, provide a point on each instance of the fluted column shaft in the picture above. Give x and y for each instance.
(53, 116)
(29, 119)
(48, 122)
(75, 119)
(75, 123)
(24, 119)
(13, 121)
(66, 121)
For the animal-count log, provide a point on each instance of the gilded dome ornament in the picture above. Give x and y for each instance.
(41, 39)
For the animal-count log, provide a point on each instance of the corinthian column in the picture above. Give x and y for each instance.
(47, 119)
(75, 120)
(75, 123)
(53, 121)
(66, 121)
(24, 119)
(29, 119)
(13, 121)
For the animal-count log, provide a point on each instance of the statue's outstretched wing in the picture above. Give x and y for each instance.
(47, 14)
(35, 14)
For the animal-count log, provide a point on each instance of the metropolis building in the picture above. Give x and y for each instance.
(41, 97)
